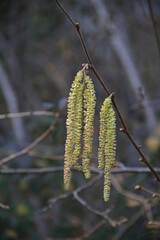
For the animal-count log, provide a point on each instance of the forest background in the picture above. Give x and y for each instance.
(40, 53)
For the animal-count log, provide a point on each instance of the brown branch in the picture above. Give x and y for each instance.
(95, 211)
(125, 129)
(52, 201)
(154, 194)
(27, 114)
(66, 195)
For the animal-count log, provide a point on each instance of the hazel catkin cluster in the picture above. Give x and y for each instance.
(81, 107)
(80, 116)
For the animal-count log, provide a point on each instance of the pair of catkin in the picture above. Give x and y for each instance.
(81, 110)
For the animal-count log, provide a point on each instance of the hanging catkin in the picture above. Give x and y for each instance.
(103, 132)
(70, 123)
(81, 105)
(89, 112)
(78, 127)
(107, 144)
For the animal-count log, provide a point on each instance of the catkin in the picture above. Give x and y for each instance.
(78, 128)
(89, 112)
(81, 106)
(107, 144)
(103, 132)
(70, 124)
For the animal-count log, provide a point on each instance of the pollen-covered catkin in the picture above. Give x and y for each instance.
(103, 132)
(89, 112)
(78, 128)
(107, 182)
(70, 124)
(110, 149)
(107, 144)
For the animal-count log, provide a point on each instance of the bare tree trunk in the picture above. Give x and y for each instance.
(12, 104)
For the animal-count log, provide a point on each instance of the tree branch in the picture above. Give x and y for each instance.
(27, 114)
(125, 129)
(135, 197)
(61, 168)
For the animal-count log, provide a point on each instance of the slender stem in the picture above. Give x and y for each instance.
(60, 169)
(125, 129)
(154, 25)
(27, 114)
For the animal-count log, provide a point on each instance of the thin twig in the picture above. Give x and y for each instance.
(95, 211)
(54, 200)
(154, 194)
(66, 195)
(135, 197)
(90, 64)
(27, 114)
(61, 168)
(154, 25)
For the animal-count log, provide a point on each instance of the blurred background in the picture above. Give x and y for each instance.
(40, 54)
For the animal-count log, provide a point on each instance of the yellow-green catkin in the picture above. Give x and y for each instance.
(107, 182)
(89, 112)
(70, 124)
(78, 128)
(110, 149)
(107, 144)
(103, 132)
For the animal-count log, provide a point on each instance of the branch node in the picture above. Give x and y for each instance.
(141, 159)
(112, 95)
(137, 187)
(77, 26)
(121, 130)
(154, 195)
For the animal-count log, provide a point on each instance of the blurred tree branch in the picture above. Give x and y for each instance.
(27, 114)
(60, 169)
(12, 104)
(154, 25)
